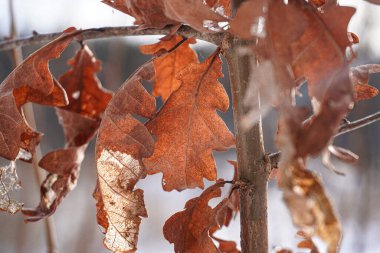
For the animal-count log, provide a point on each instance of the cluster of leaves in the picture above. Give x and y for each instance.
(296, 41)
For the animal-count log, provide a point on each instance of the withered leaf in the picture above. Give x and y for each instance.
(249, 20)
(309, 205)
(148, 13)
(190, 229)
(188, 128)
(168, 66)
(300, 47)
(159, 13)
(80, 120)
(307, 243)
(360, 78)
(9, 182)
(32, 82)
(121, 145)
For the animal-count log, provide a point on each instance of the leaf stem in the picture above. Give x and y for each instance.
(106, 32)
(29, 115)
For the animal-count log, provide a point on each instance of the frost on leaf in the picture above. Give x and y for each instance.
(188, 128)
(121, 145)
(9, 182)
(32, 82)
(168, 66)
(191, 230)
(80, 120)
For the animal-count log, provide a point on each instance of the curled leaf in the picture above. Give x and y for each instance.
(121, 145)
(360, 78)
(32, 82)
(80, 120)
(309, 205)
(188, 128)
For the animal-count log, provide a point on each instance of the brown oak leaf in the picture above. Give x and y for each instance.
(360, 78)
(32, 82)
(190, 230)
(80, 120)
(159, 13)
(307, 242)
(310, 208)
(121, 145)
(167, 67)
(188, 128)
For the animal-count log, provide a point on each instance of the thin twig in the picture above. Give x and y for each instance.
(29, 115)
(344, 128)
(105, 32)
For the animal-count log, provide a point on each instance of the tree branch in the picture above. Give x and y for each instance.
(106, 32)
(344, 128)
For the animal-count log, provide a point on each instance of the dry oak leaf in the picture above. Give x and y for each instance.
(249, 20)
(121, 145)
(80, 120)
(360, 77)
(190, 230)
(148, 13)
(188, 128)
(307, 243)
(32, 82)
(311, 43)
(159, 13)
(309, 205)
(167, 67)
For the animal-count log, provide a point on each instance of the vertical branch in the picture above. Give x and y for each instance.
(252, 167)
(29, 115)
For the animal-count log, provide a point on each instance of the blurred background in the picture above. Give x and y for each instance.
(355, 195)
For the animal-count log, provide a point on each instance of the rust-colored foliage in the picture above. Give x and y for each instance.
(301, 46)
(190, 230)
(310, 208)
(121, 145)
(295, 42)
(80, 120)
(188, 128)
(307, 242)
(360, 77)
(29, 82)
(168, 66)
(159, 13)
(313, 48)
